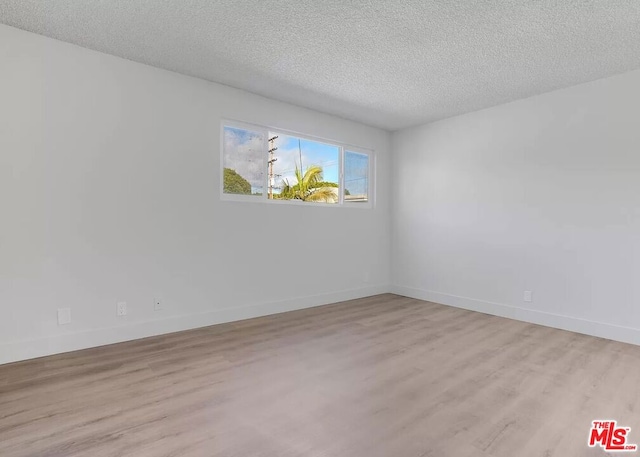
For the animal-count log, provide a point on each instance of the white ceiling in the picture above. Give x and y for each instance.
(391, 64)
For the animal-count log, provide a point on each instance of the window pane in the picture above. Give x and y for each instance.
(356, 177)
(301, 169)
(243, 161)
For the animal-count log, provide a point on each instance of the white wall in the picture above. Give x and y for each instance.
(109, 178)
(541, 194)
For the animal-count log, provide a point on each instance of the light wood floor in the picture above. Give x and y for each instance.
(382, 376)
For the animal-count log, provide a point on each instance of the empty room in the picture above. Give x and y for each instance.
(359, 228)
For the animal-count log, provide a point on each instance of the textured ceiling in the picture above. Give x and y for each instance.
(391, 64)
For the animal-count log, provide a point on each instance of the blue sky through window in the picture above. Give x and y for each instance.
(313, 153)
(356, 173)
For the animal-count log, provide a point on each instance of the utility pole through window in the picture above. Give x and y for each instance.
(272, 159)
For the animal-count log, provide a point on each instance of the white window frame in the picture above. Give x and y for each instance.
(342, 147)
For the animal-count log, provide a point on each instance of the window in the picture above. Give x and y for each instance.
(261, 164)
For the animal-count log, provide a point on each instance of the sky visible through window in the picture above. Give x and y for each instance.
(356, 174)
(289, 153)
(244, 152)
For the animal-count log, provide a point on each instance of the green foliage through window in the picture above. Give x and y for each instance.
(235, 184)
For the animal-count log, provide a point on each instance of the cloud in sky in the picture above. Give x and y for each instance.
(244, 152)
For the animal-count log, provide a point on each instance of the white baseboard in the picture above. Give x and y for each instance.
(28, 349)
(573, 324)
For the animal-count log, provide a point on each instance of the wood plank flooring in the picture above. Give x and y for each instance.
(381, 376)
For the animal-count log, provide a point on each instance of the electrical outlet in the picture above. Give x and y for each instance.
(122, 308)
(64, 316)
(366, 277)
(528, 296)
(157, 304)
